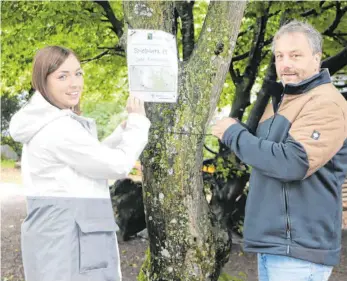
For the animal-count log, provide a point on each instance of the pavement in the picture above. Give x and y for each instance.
(13, 212)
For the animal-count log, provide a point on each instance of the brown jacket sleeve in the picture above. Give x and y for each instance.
(321, 129)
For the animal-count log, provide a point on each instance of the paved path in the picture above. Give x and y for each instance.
(13, 212)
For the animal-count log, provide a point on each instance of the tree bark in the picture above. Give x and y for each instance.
(185, 242)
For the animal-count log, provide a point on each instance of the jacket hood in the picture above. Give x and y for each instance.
(33, 116)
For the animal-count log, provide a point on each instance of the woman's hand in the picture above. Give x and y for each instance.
(135, 105)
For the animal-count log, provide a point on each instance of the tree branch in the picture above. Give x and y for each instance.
(340, 87)
(264, 54)
(185, 12)
(234, 76)
(255, 53)
(96, 57)
(117, 25)
(240, 57)
(116, 48)
(275, 13)
(336, 62)
(339, 14)
(314, 12)
(209, 149)
(339, 39)
(245, 55)
(107, 52)
(246, 31)
(263, 96)
(243, 89)
(252, 26)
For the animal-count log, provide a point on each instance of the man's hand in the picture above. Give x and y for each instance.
(221, 126)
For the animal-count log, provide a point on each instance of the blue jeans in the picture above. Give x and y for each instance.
(283, 268)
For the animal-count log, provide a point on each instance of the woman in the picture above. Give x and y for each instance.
(69, 233)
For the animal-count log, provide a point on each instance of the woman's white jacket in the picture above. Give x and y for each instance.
(62, 156)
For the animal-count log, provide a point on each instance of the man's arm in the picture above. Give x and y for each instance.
(314, 138)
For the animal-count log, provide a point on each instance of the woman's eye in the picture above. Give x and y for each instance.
(62, 77)
(80, 73)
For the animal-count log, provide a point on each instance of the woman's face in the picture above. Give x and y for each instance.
(64, 86)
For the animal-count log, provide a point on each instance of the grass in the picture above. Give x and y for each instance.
(226, 277)
(7, 163)
(9, 172)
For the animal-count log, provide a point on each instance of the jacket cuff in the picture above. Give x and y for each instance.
(232, 131)
(138, 119)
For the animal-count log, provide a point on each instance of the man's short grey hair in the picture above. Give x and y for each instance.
(313, 36)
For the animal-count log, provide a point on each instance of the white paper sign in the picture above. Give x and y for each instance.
(152, 65)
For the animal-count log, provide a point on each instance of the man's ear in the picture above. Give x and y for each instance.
(318, 57)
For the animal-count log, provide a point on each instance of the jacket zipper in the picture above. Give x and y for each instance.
(273, 119)
(285, 194)
(288, 230)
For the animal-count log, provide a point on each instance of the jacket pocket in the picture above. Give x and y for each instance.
(96, 238)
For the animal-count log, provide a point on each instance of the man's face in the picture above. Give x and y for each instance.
(295, 60)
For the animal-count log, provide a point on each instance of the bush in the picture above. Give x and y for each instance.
(16, 146)
(107, 115)
(226, 277)
(7, 163)
(10, 104)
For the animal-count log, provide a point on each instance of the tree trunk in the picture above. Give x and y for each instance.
(185, 242)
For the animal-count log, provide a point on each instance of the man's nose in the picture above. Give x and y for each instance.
(286, 63)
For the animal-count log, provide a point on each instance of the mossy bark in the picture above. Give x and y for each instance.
(186, 243)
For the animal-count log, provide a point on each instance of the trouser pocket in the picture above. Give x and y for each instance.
(96, 242)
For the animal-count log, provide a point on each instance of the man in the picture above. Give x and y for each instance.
(299, 162)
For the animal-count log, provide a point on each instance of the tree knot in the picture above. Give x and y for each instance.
(219, 48)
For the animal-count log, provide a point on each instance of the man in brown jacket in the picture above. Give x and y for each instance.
(299, 162)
